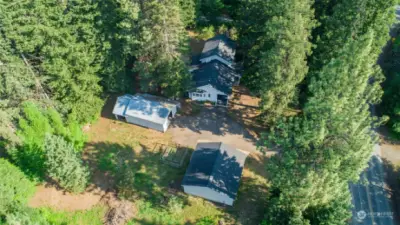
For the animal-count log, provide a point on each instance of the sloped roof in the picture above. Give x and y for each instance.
(121, 105)
(217, 166)
(220, 45)
(144, 106)
(219, 75)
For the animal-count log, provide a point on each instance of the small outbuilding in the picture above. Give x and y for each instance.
(146, 110)
(214, 172)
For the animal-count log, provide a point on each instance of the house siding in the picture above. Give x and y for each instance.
(209, 94)
(209, 194)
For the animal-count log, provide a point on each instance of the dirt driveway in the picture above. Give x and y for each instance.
(212, 124)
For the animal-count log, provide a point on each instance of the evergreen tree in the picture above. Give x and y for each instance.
(329, 145)
(34, 124)
(15, 188)
(161, 38)
(209, 8)
(64, 165)
(391, 99)
(342, 20)
(117, 27)
(16, 85)
(277, 61)
(59, 41)
(188, 12)
(282, 64)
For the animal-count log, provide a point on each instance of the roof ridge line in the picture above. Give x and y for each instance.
(210, 179)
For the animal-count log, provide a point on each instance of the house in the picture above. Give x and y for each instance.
(214, 172)
(214, 72)
(219, 48)
(213, 82)
(146, 110)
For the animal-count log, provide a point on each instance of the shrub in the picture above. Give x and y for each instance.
(222, 29)
(34, 124)
(26, 215)
(206, 32)
(233, 33)
(208, 220)
(64, 165)
(175, 204)
(15, 188)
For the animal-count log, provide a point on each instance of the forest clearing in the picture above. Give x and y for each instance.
(203, 112)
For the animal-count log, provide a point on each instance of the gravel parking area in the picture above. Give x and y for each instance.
(212, 124)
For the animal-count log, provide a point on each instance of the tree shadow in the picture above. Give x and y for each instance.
(133, 174)
(214, 120)
(249, 207)
(393, 182)
(106, 111)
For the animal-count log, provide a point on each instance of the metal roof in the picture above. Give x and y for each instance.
(220, 45)
(216, 73)
(144, 106)
(121, 105)
(217, 166)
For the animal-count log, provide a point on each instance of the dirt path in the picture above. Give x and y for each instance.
(58, 199)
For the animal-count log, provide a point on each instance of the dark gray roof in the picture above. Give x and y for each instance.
(217, 166)
(219, 75)
(220, 45)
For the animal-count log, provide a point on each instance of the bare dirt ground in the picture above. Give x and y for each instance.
(244, 108)
(50, 196)
(391, 152)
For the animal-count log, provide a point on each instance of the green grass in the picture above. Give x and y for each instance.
(194, 210)
(93, 216)
(130, 154)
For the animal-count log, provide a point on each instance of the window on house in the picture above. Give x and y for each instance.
(209, 95)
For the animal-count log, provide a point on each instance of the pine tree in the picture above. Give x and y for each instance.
(188, 12)
(342, 20)
(160, 40)
(64, 165)
(283, 63)
(16, 85)
(117, 27)
(329, 145)
(280, 54)
(58, 41)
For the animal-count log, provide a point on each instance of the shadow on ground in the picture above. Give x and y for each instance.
(141, 176)
(117, 167)
(214, 120)
(393, 182)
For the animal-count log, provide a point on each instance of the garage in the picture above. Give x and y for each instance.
(214, 172)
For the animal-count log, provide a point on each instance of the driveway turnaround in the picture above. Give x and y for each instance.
(212, 124)
(370, 197)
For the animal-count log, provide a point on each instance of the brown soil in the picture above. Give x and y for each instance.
(120, 211)
(50, 196)
(244, 107)
(391, 152)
